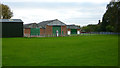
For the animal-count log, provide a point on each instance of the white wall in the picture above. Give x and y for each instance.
(78, 32)
(68, 32)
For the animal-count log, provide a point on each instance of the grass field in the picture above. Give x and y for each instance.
(95, 50)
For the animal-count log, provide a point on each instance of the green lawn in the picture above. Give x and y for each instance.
(95, 50)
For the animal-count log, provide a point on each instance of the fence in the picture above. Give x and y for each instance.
(28, 35)
(101, 33)
(88, 33)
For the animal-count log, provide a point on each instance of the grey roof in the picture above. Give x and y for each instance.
(11, 20)
(55, 22)
(73, 27)
(31, 25)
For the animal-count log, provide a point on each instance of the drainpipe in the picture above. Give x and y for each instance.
(61, 30)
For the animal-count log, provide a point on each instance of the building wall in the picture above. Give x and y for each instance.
(78, 31)
(42, 32)
(12, 29)
(64, 29)
(48, 30)
(68, 31)
(35, 32)
(56, 30)
(0, 30)
(73, 31)
(27, 32)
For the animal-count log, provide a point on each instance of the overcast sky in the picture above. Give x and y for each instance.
(79, 12)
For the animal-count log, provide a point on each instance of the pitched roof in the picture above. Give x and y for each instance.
(73, 27)
(31, 25)
(11, 20)
(55, 22)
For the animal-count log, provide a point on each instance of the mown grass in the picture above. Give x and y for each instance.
(95, 50)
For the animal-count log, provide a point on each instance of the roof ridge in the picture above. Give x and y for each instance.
(11, 20)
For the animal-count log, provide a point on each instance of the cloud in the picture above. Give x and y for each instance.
(44, 14)
(80, 12)
(93, 1)
(52, 5)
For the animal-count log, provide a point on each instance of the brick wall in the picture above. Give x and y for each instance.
(48, 30)
(27, 32)
(69, 29)
(42, 32)
(78, 29)
(64, 29)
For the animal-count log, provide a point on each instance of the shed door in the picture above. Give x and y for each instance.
(73, 31)
(35, 31)
(55, 28)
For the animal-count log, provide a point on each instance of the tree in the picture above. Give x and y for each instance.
(5, 12)
(110, 21)
(111, 18)
(90, 28)
(110, 28)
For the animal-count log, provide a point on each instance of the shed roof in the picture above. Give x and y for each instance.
(31, 25)
(73, 27)
(11, 20)
(55, 22)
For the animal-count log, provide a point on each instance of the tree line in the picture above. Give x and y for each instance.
(110, 21)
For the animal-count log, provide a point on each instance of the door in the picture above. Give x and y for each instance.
(56, 29)
(35, 31)
(73, 31)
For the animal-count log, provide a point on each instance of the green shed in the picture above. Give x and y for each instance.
(12, 27)
(73, 29)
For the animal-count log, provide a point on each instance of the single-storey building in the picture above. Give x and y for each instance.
(53, 28)
(31, 29)
(12, 27)
(50, 28)
(73, 29)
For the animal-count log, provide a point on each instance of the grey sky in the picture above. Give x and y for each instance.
(80, 12)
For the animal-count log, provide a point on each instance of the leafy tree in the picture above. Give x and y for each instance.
(110, 28)
(111, 18)
(5, 12)
(90, 28)
(110, 21)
